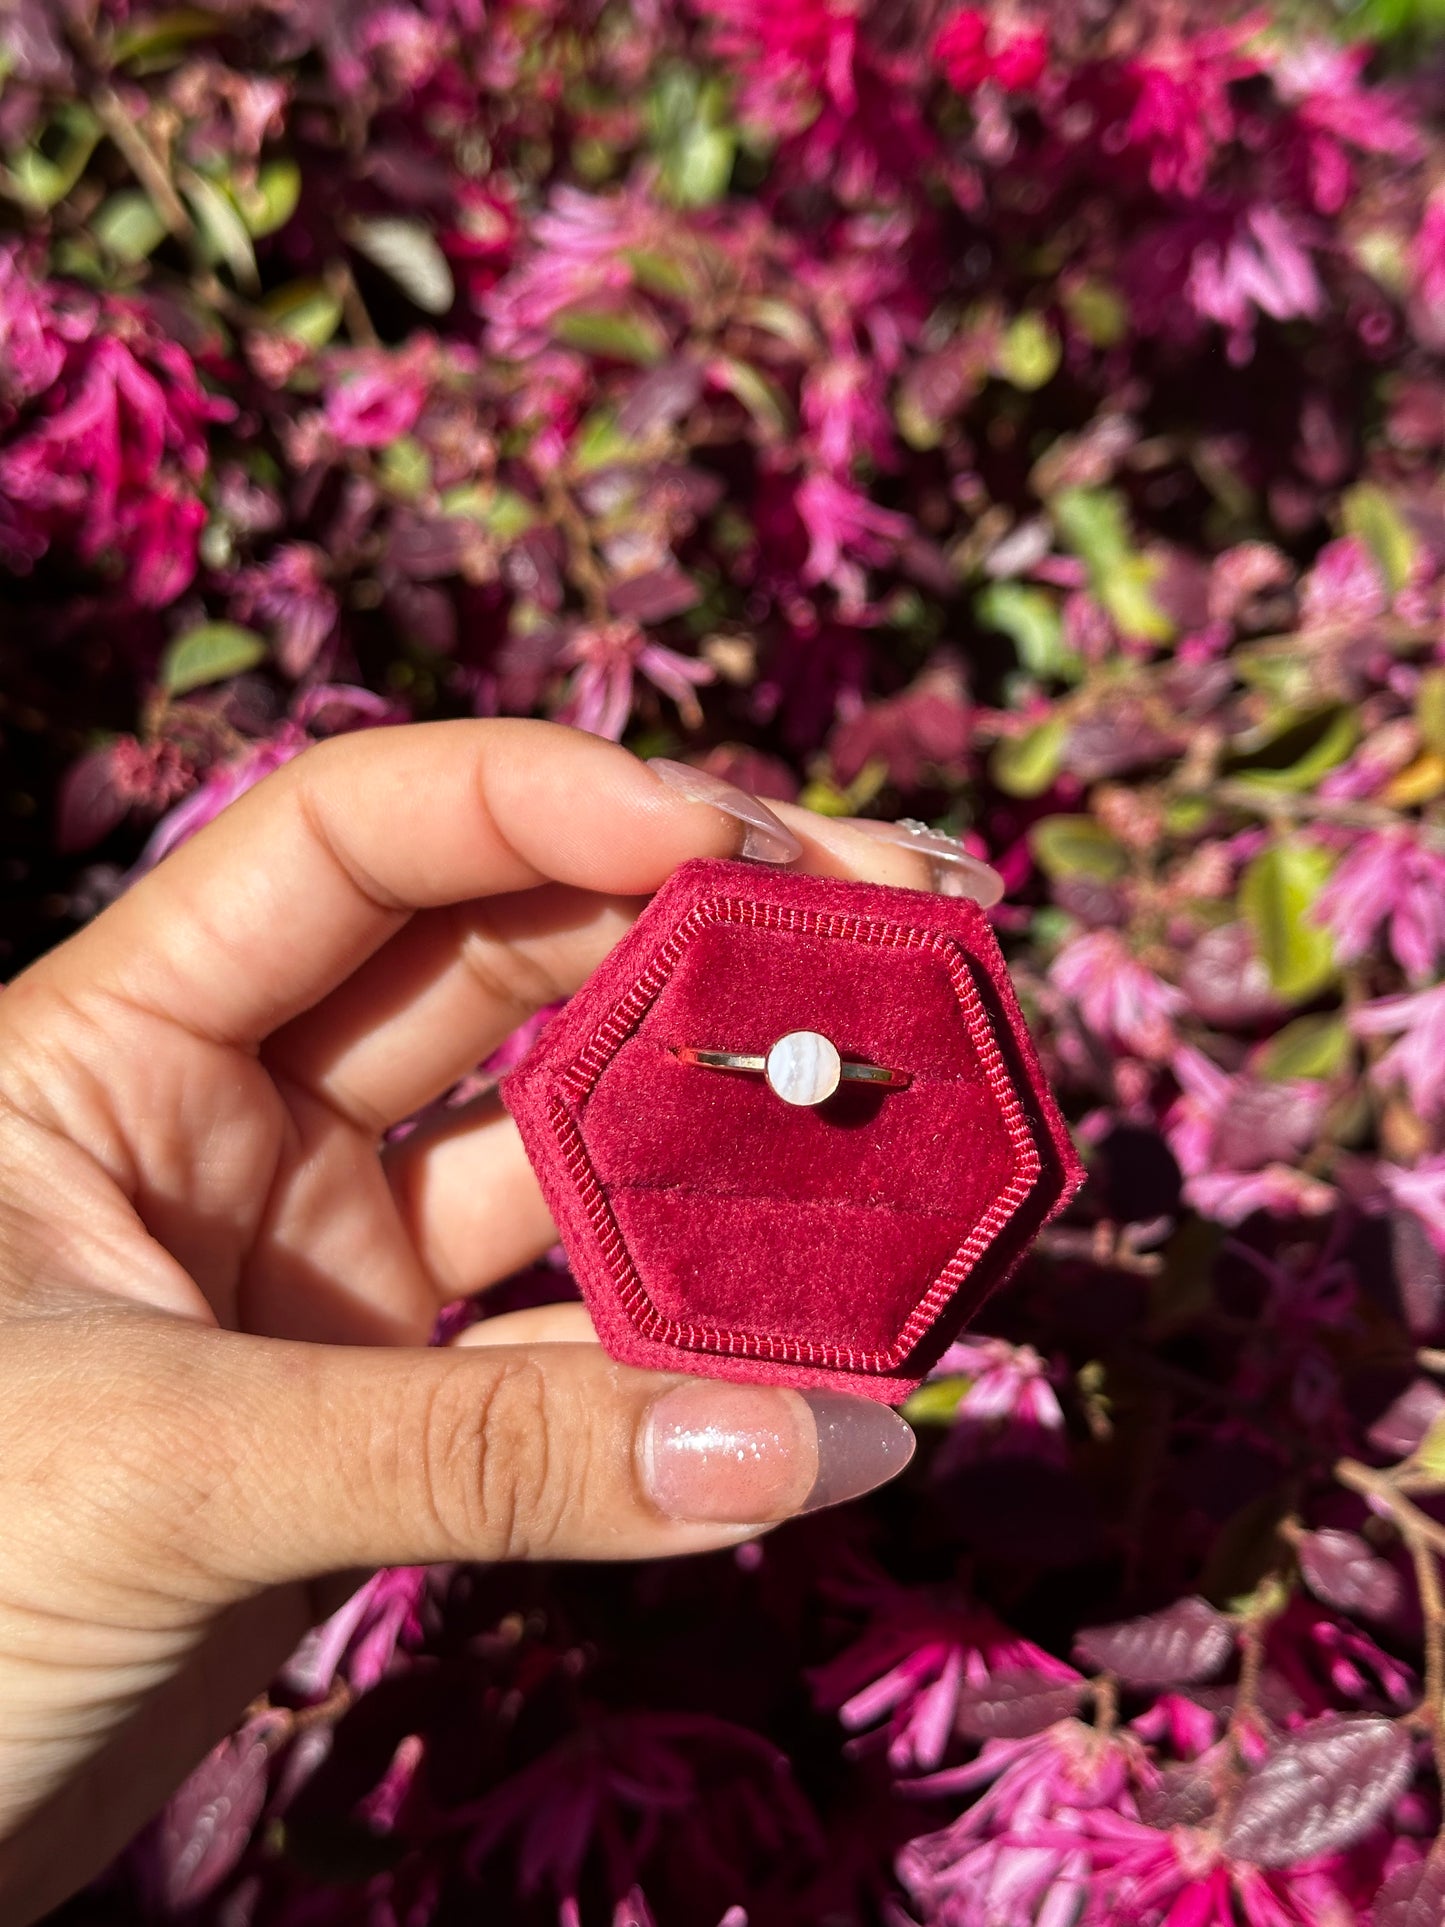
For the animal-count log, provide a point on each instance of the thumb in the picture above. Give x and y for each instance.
(295, 1460)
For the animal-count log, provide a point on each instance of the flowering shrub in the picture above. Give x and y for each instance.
(1029, 419)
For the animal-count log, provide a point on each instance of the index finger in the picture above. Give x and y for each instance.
(279, 900)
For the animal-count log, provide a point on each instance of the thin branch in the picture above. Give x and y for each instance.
(145, 163)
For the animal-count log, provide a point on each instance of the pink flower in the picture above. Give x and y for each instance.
(581, 257)
(289, 592)
(846, 531)
(1325, 1661)
(607, 656)
(1237, 1140)
(1321, 82)
(1344, 589)
(790, 58)
(1262, 268)
(103, 787)
(913, 1664)
(1010, 1407)
(34, 332)
(1022, 1855)
(973, 48)
(1416, 1060)
(1181, 112)
(1387, 878)
(359, 1640)
(844, 415)
(1419, 1190)
(1124, 1004)
(372, 402)
(611, 1787)
(112, 467)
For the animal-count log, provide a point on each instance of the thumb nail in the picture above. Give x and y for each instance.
(765, 837)
(720, 1454)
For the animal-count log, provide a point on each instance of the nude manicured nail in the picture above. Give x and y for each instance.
(764, 837)
(718, 1454)
(955, 872)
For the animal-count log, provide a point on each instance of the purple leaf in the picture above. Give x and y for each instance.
(1014, 1704)
(1321, 1791)
(663, 396)
(1401, 1427)
(1340, 1569)
(1413, 1897)
(1185, 1642)
(654, 595)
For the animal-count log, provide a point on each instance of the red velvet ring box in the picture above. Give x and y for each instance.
(715, 1228)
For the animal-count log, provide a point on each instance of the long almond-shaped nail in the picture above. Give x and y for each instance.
(713, 1453)
(764, 837)
(955, 872)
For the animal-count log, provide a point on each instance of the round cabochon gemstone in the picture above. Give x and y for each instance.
(804, 1067)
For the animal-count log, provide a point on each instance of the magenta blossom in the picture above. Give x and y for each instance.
(1419, 1190)
(359, 1640)
(1022, 1855)
(373, 399)
(290, 594)
(111, 466)
(912, 1668)
(846, 531)
(1416, 1061)
(1262, 268)
(1125, 1004)
(1388, 879)
(607, 656)
(1237, 1141)
(974, 48)
(1009, 1406)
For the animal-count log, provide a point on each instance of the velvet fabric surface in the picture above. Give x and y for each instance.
(714, 1228)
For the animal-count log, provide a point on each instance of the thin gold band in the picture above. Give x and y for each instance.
(732, 1060)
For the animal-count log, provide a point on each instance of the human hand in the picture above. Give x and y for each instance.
(216, 1283)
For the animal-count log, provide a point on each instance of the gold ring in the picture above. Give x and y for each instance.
(803, 1067)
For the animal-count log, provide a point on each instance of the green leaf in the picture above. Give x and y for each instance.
(1296, 751)
(1430, 710)
(1094, 524)
(601, 443)
(269, 204)
(223, 234)
(1073, 846)
(1029, 354)
(305, 310)
(617, 335)
(936, 1402)
(1030, 617)
(501, 511)
(408, 253)
(210, 653)
(1429, 1454)
(693, 136)
(1308, 1047)
(405, 467)
(1098, 312)
(1027, 765)
(1276, 895)
(1369, 513)
(661, 274)
(163, 38)
(128, 226)
(46, 170)
(762, 398)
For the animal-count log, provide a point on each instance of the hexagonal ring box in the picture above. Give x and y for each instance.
(768, 1219)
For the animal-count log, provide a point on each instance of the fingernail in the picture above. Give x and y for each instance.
(764, 837)
(955, 872)
(718, 1454)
